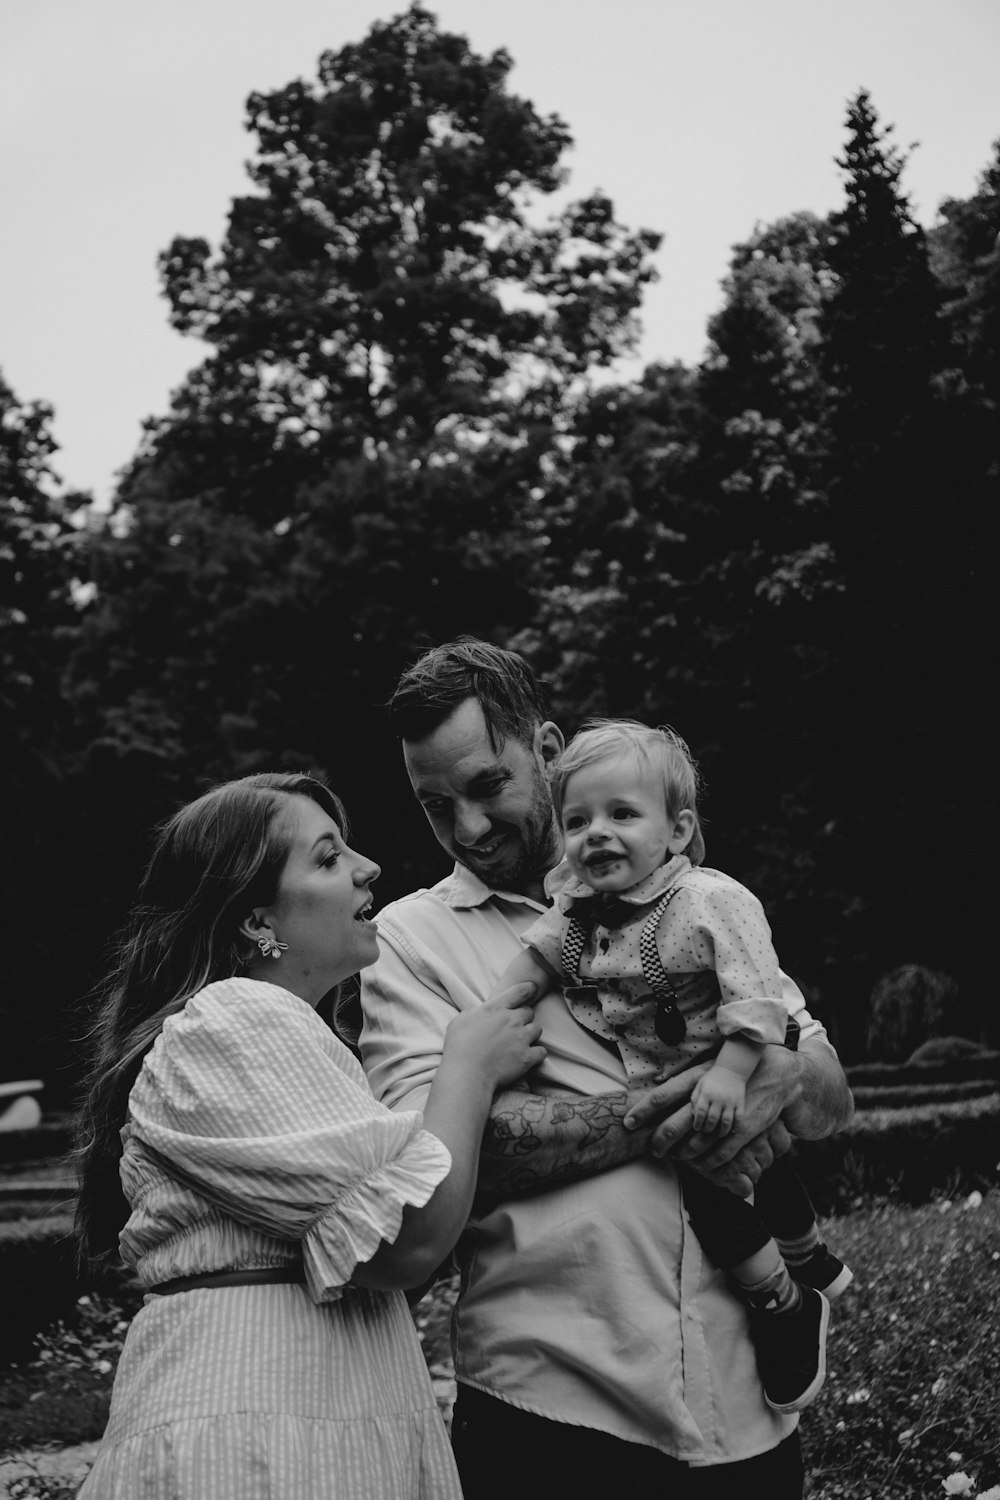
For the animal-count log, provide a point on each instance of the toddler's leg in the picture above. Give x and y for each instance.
(785, 1206)
(787, 1322)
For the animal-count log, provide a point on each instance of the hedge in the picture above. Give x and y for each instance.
(906, 1154)
(945, 1070)
(900, 1095)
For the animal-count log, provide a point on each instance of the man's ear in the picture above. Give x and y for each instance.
(549, 743)
(684, 826)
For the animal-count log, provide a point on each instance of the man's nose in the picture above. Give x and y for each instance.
(471, 824)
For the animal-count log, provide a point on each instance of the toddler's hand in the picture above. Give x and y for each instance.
(718, 1100)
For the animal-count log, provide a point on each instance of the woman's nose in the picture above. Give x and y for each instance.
(366, 870)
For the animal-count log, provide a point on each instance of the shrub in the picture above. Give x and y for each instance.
(50, 1138)
(38, 1280)
(907, 1154)
(908, 1005)
(945, 1049)
(899, 1096)
(980, 1064)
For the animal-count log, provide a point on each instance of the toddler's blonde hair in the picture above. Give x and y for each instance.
(660, 750)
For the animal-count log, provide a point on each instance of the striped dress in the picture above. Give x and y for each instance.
(254, 1141)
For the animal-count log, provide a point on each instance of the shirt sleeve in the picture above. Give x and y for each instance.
(728, 932)
(546, 937)
(250, 1099)
(408, 999)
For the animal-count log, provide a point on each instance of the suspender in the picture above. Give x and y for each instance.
(653, 972)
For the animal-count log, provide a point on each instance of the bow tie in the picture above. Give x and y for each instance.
(599, 910)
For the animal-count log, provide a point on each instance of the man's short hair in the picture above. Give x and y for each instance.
(513, 699)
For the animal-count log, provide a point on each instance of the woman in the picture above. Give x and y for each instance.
(272, 1208)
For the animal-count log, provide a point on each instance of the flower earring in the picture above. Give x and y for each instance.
(270, 947)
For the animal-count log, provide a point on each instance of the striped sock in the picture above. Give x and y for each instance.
(777, 1293)
(796, 1252)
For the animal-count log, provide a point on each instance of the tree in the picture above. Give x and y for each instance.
(38, 547)
(348, 476)
(965, 253)
(880, 339)
(386, 281)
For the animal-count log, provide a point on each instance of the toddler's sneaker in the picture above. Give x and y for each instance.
(791, 1351)
(824, 1272)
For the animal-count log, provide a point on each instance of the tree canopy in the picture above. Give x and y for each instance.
(408, 426)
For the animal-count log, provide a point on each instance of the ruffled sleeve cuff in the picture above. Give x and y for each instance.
(762, 1021)
(370, 1211)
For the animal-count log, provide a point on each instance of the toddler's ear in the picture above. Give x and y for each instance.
(683, 833)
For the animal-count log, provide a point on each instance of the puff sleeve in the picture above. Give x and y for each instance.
(251, 1101)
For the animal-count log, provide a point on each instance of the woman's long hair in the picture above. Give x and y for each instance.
(212, 863)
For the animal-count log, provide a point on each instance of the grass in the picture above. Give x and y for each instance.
(911, 1400)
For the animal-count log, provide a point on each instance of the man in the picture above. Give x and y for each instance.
(595, 1346)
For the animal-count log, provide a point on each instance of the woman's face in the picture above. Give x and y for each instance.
(318, 910)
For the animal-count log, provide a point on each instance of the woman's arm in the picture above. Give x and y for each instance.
(484, 1049)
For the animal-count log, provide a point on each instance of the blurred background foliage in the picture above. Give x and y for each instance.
(407, 427)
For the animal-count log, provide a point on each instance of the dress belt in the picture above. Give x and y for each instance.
(267, 1275)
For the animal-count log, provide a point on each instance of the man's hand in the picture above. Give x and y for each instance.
(737, 1160)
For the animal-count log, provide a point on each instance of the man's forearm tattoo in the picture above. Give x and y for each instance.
(540, 1141)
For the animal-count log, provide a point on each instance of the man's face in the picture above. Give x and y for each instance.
(490, 809)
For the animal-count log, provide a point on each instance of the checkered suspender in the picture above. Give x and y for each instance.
(653, 971)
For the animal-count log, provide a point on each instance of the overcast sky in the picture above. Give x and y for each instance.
(121, 125)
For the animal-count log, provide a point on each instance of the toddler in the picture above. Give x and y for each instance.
(673, 963)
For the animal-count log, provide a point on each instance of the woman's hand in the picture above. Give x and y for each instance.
(499, 1037)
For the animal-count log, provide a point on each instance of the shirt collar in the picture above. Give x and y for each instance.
(564, 887)
(467, 890)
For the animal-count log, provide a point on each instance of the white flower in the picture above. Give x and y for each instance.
(958, 1484)
(105, 1366)
(974, 1200)
(945, 1203)
(859, 1397)
(936, 1390)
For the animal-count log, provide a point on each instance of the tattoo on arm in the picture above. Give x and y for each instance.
(536, 1141)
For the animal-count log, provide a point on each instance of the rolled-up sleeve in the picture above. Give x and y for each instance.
(729, 933)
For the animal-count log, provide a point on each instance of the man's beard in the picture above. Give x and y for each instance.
(531, 855)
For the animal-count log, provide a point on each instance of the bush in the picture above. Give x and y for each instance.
(907, 1154)
(945, 1049)
(899, 1096)
(50, 1138)
(908, 1005)
(979, 1064)
(38, 1280)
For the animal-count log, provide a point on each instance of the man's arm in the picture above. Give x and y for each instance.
(803, 1093)
(532, 1140)
(538, 1141)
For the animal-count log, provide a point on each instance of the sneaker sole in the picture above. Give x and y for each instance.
(813, 1389)
(838, 1286)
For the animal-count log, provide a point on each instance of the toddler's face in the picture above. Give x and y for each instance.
(616, 826)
